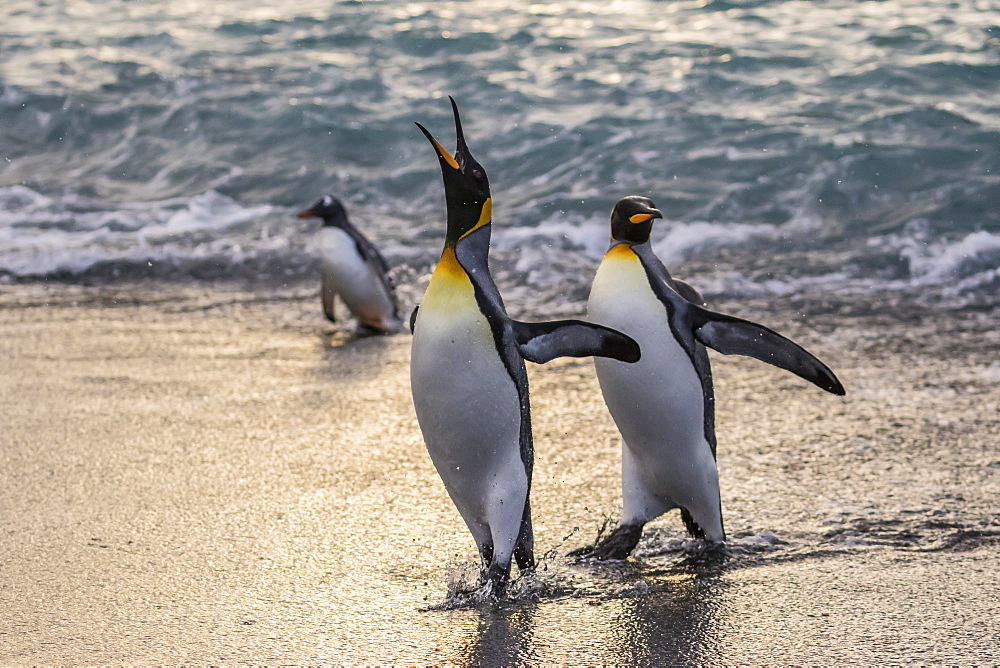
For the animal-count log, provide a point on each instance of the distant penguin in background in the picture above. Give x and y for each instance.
(354, 270)
(664, 404)
(467, 374)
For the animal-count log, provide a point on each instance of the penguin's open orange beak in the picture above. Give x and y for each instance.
(462, 158)
(444, 156)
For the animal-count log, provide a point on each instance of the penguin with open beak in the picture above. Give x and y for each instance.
(468, 378)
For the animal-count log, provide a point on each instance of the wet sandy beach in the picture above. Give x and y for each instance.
(216, 475)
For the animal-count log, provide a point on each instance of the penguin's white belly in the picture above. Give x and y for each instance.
(468, 408)
(657, 403)
(353, 279)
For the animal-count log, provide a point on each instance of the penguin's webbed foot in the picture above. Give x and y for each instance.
(525, 559)
(363, 331)
(710, 558)
(616, 547)
(494, 582)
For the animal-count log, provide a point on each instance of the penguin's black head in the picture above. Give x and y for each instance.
(466, 186)
(330, 209)
(632, 219)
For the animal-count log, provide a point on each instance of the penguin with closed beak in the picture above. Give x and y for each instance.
(354, 270)
(664, 404)
(468, 379)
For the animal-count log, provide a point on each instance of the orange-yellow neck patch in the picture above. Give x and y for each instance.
(620, 252)
(448, 267)
(450, 286)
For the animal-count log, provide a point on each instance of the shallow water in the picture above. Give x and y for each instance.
(213, 475)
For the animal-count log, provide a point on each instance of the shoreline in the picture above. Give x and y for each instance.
(217, 474)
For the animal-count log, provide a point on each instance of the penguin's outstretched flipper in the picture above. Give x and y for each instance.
(733, 336)
(541, 342)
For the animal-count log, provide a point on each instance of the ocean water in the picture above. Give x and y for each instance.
(816, 150)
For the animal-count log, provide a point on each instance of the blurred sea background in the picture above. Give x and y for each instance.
(840, 154)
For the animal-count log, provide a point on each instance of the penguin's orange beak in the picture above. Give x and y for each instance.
(443, 155)
(462, 159)
(643, 217)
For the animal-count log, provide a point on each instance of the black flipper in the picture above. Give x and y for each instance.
(413, 317)
(372, 256)
(541, 342)
(328, 296)
(366, 248)
(689, 292)
(733, 336)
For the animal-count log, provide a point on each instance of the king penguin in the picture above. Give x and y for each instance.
(468, 379)
(664, 404)
(354, 270)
